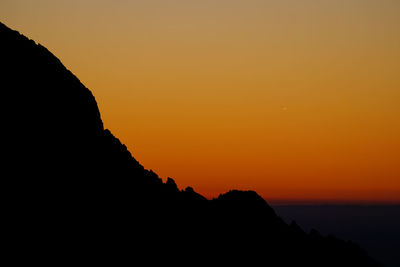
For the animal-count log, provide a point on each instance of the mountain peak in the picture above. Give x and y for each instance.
(71, 184)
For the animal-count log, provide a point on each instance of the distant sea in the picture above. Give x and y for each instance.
(376, 228)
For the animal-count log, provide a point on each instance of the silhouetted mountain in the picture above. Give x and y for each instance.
(73, 191)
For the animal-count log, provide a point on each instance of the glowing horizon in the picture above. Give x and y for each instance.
(297, 100)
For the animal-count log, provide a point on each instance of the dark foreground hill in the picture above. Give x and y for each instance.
(72, 190)
(375, 227)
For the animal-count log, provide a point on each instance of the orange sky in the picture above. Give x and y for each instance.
(298, 100)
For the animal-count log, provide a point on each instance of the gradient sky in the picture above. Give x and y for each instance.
(298, 100)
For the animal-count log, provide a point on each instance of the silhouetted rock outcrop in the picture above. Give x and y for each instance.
(73, 190)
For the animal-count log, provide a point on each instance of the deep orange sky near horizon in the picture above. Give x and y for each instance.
(297, 100)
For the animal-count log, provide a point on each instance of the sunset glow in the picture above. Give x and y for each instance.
(297, 100)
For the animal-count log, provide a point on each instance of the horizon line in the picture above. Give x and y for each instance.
(330, 202)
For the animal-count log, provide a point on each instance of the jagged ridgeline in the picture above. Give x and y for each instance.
(73, 189)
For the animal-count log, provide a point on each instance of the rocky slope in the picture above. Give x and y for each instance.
(73, 191)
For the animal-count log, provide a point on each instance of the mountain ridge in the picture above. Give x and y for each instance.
(72, 184)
